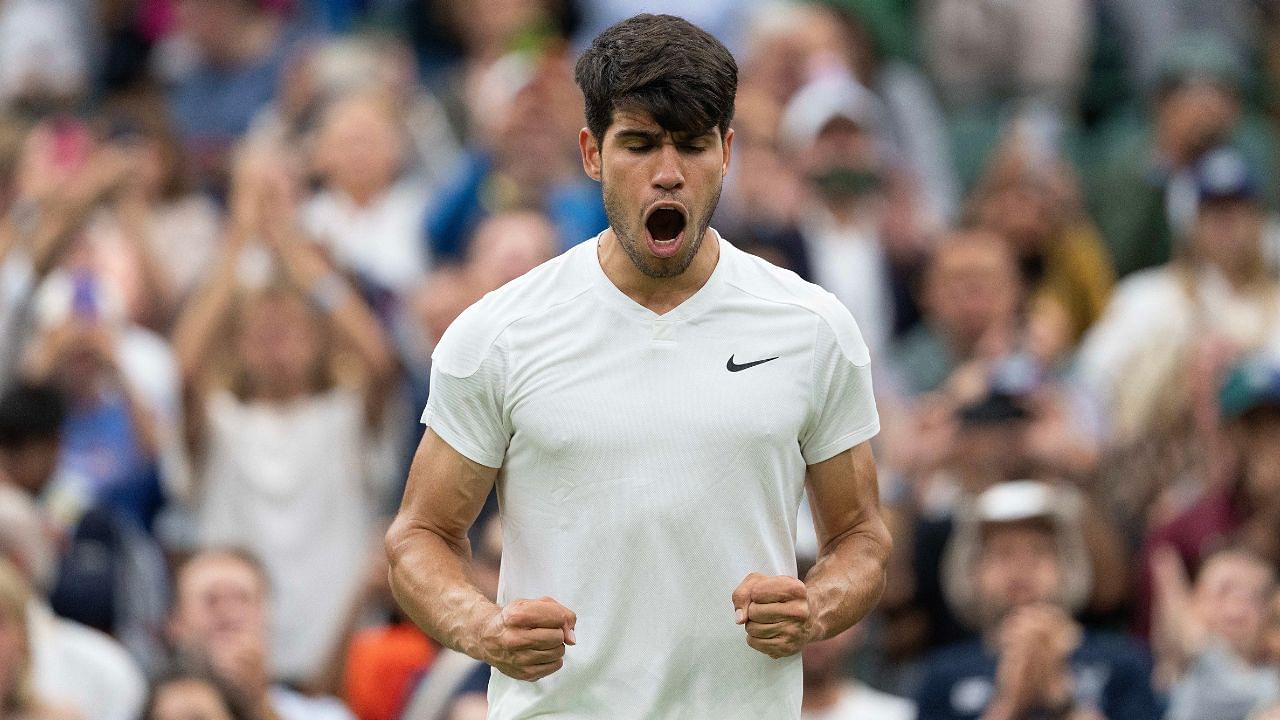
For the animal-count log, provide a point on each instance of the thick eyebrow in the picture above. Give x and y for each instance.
(649, 136)
(653, 137)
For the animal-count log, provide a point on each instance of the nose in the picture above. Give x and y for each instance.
(669, 174)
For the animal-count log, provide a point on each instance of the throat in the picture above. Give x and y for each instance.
(659, 295)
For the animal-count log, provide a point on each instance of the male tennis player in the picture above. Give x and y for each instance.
(651, 405)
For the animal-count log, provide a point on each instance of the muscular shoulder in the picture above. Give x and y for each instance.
(769, 283)
(473, 334)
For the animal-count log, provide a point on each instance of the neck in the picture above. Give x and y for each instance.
(278, 391)
(820, 695)
(363, 196)
(660, 295)
(1240, 274)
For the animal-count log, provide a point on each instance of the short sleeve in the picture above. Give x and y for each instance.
(842, 408)
(468, 411)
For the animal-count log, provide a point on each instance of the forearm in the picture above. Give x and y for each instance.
(351, 317)
(430, 579)
(848, 579)
(158, 291)
(199, 323)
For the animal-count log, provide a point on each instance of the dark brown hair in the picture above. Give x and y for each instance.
(663, 65)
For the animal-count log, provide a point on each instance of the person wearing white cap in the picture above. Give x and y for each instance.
(833, 128)
(1016, 569)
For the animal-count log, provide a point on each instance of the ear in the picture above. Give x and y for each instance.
(590, 153)
(728, 151)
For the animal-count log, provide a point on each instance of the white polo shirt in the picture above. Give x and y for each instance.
(648, 463)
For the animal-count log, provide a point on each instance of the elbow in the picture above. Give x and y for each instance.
(883, 540)
(399, 536)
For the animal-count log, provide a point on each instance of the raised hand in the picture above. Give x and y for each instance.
(775, 613)
(526, 639)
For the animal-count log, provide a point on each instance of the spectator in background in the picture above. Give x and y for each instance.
(1151, 363)
(109, 574)
(1028, 195)
(187, 695)
(73, 666)
(977, 340)
(120, 379)
(31, 419)
(763, 192)
(504, 247)
(1010, 431)
(1143, 187)
(1017, 568)
(225, 65)
(1209, 638)
(833, 128)
(64, 287)
(971, 294)
(60, 178)
(17, 700)
(1243, 508)
(341, 67)
(285, 416)
(829, 694)
(526, 110)
(160, 237)
(369, 210)
(877, 48)
(220, 622)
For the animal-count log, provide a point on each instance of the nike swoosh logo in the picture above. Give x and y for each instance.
(731, 366)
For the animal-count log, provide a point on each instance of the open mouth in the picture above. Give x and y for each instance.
(665, 226)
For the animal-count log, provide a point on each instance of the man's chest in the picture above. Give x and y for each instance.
(666, 390)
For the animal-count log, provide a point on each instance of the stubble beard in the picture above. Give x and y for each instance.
(631, 241)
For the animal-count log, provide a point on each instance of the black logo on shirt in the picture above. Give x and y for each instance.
(731, 366)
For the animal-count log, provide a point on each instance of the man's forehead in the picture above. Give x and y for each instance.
(641, 122)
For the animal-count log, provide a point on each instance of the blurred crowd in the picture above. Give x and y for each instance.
(231, 232)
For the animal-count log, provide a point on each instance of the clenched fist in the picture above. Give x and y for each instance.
(775, 611)
(526, 639)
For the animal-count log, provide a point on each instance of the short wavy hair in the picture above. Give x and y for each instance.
(663, 65)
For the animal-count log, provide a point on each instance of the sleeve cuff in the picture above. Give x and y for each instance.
(458, 442)
(813, 456)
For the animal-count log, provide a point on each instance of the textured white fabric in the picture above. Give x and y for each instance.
(295, 706)
(642, 480)
(859, 702)
(80, 668)
(382, 241)
(848, 261)
(288, 482)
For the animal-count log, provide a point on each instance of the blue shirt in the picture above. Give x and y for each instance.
(1112, 675)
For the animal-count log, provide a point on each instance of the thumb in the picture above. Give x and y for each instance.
(742, 597)
(569, 624)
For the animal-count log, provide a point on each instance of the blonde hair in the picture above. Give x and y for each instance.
(250, 301)
(14, 596)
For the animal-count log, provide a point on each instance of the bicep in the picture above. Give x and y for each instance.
(446, 490)
(843, 494)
